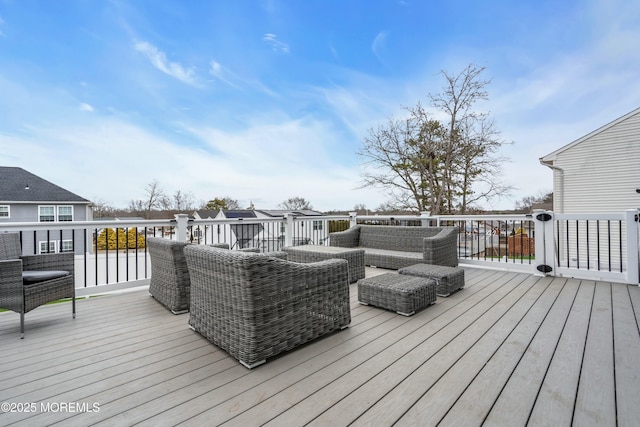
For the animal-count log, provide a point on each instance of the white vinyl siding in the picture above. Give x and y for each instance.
(601, 173)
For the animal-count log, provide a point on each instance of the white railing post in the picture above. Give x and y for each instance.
(288, 229)
(182, 221)
(353, 220)
(633, 267)
(425, 221)
(544, 247)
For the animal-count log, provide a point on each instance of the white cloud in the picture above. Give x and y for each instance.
(378, 44)
(86, 107)
(159, 60)
(112, 160)
(222, 74)
(276, 45)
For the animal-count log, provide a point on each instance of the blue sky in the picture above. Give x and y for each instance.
(265, 100)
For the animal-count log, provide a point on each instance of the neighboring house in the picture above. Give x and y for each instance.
(312, 230)
(25, 197)
(599, 172)
(269, 235)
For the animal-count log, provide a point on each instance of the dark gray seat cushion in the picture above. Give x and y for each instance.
(31, 277)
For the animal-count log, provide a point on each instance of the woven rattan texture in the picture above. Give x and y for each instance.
(395, 247)
(448, 279)
(255, 307)
(313, 253)
(170, 283)
(403, 294)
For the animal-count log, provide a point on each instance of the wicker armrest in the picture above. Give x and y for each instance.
(441, 249)
(10, 278)
(60, 261)
(345, 239)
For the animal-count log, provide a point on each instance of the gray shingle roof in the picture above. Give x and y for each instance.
(13, 181)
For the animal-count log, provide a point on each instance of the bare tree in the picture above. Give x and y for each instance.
(472, 140)
(155, 198)
(296, 203)
(526, 203)
(102, 209)
(183, 201)
(425, 164)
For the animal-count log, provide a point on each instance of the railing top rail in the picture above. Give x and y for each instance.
(494, 217)
(584, 216)
(64, 225)
(234, 220)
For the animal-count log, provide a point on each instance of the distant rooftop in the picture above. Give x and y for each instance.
(19, 185)
(240, 213)
(282, 212)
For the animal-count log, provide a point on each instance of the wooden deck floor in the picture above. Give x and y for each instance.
(508, 350)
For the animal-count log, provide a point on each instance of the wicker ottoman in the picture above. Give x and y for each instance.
(313, 253)
(403, 294)
(448, 279)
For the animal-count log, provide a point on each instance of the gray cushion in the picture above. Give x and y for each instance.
(31, 277)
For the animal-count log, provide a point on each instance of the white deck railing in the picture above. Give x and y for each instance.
(587, 246)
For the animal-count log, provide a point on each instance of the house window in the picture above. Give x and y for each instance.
(4, 211)
(66, 246)
(282, 227)
(47, 249)
(46, 214)
(317, 225)
(65, 213)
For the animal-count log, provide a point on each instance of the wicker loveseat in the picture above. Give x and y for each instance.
(255, 307)
(395, 247)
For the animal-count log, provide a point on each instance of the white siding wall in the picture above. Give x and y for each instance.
(602, 173)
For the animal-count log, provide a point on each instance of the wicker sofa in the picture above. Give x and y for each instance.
(255, 307)
(395, 247)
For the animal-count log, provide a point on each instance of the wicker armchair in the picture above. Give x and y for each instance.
(27, 282)
(255, 307)
(170, 283)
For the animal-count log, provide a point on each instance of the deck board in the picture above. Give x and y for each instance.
(422, 368)
(560, 385)
(552, 350)
(595, 404)
(474, 403)
(627, 344)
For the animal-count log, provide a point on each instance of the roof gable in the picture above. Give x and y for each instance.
(552, 156)
(19, 185)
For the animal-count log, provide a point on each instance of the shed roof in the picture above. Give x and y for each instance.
(19, 185)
